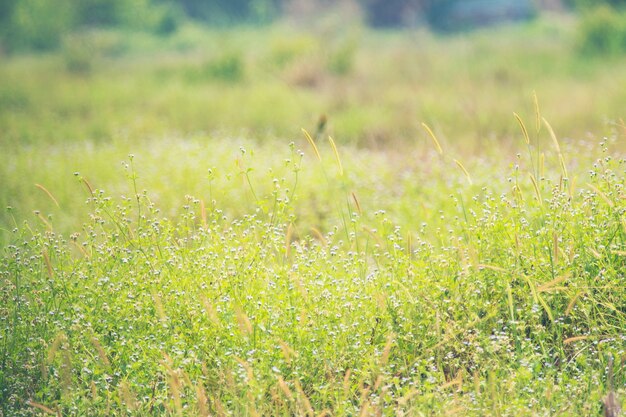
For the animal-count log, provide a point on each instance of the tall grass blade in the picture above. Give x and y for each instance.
(40, 407)
(313, 145)
(433, 138)
(467, 175)
(523, 127)
(48, 193)
(537, 112)
(332, 144)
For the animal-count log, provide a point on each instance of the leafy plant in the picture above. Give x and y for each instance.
(603, 32)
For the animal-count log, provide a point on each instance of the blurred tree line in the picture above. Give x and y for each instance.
(41, 24)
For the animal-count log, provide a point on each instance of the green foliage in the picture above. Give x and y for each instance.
(590, 4)
(286, 49)
(341, 58)
(215, 275)
(228, 66)
(39, 24)
(508, 282)
(224, 12)
(602, 31)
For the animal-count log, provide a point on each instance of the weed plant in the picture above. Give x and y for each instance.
(499, 296)
(441, 257)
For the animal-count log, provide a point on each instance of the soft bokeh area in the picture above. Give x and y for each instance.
(312, 207)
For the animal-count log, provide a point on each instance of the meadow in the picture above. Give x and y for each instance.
(313, 220)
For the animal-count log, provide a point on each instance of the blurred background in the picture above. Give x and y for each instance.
(369, 66)
(42, 25)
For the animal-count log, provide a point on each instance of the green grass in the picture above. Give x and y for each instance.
(174, 245)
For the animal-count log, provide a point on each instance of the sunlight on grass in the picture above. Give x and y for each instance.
(448, 239)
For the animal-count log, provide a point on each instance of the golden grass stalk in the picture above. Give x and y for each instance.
(552, 285)
(252, 412)
(538, 298)
(219, 408)
(537, 112)
(601, 194)
(44, 220)
(175, 388)
(89, 187)
(433, 137)
(523, 127)
(555, 141)
(202, 402)
(595, 253)
(346, 382)
(378, 384)
(56, 344)
(48, 193)
(126, 396)
(404, 400)
(305, 403)
(41, 407)
(575, 339)
(491, 267)
(536, 188)
(185, 377)
(277, 401)
(287, 351)
(101, 353)
(373, 235)
(384, 358)
(456, 382)
(285, 388)
(356, 202)
(245, 326)
(46, 259)
(319, 236)
(313, 145)
(80, 248)
(612, 406)
(558, 148)
(365, 409)
(467, 175)
(158, 306)
(332, 145)
(203, 214)
(518, 192)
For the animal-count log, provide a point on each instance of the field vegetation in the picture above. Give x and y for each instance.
(313, 219)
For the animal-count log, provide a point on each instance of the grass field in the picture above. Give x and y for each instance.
(174, 244)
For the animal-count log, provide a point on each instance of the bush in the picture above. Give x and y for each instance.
(228, 67)
(602, 31)
(37, 24)
(42, 24)
(589, 4)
